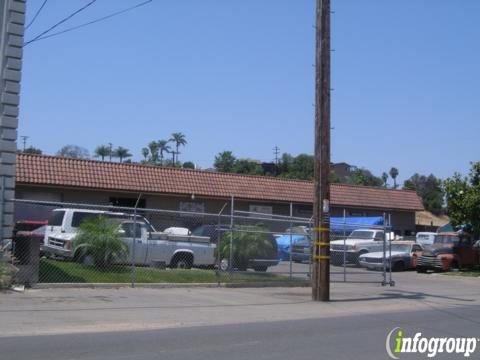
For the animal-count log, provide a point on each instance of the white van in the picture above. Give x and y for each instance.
(425, 238)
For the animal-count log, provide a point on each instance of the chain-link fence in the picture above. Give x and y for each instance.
(57, 242)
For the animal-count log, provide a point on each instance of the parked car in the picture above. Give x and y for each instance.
(404, 256)
(253, 247)
(180, 251)
(287, 241)
(425, 238)
(359, 242)
(212, 231)
(301, 251)
(450, 250)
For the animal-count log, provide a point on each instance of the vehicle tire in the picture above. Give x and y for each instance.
(357, 260)
(421, 270)
(260, 268)
(182, 262)
(454, 266)
(398, 266)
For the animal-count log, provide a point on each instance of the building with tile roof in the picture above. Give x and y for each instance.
(40, 177)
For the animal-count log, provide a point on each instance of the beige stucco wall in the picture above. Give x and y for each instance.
(403, 221)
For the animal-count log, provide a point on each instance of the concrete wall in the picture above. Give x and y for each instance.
(12, 20)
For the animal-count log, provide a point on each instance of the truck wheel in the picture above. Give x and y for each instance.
(421, 270)
(398, 266)
(454, 266)
(260, 268)
(182, 261)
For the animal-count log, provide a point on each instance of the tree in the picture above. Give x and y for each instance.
(73, 151)
(394, 173)
(32, 150)
(285, 164)
(99, 238)
(145, 153)
(384, 178)
(362, 176)
(153, 147)
(102, 151)
(429, 188)
(162, 146)
(179, 140)
(302, 167)
(188, 165)
(122, 153)
(463, 199)
(224, 161)
(244, 166)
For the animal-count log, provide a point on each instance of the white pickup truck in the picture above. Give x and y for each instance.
(177, 251)
(359, 242)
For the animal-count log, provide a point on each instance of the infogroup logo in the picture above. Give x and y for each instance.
(398, 343)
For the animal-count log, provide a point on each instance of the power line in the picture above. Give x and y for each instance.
(60, 22)
(36, 14)
(93, 21)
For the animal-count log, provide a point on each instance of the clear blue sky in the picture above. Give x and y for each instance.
(238, 75)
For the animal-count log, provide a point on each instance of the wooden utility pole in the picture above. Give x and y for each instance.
(321, 204)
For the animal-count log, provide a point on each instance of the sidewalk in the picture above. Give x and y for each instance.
(62, 311)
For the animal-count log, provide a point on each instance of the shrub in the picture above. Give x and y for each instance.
(7, 272)
(99, 238)
(249, 242)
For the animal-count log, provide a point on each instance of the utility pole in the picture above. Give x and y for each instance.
(276, 151)
(321, 204)
(110, 151)
(24, 140)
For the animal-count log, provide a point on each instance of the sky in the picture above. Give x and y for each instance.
(238, 75)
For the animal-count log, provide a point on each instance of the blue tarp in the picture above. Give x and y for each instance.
(337, 225)
(350, 223)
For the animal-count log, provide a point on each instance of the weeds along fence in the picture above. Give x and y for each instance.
(57, 242)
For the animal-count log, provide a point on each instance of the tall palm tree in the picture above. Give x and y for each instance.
(384, 178)
(122, 153)
(145, 153)
(102, 151)
(394, 173)
(153, 147)
(178, 139)
(162, 146)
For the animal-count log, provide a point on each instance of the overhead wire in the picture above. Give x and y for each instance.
(60, 22)
(106, 17)
(36, 14)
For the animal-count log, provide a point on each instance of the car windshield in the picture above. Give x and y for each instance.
(446, 239)
(401, 247)
(361, 234)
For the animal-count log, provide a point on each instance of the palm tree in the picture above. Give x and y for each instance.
(385, 178)
(394, 173)
(178, 139)
(153, 147)
(162, 147)
(121, 153)
(145, 153)
(102, 151)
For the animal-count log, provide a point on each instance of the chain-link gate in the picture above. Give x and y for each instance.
(89, 243)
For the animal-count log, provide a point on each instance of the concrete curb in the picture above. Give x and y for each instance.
(169, 285)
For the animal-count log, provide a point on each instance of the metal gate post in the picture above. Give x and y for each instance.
(219, 236)
(291, 225)
(344, 245)
(384, 271)
(230, 260)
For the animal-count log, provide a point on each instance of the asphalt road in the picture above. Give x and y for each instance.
(356, 337)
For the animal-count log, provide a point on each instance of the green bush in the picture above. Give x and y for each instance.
(99, 238)
(249, 242)
(7, 272)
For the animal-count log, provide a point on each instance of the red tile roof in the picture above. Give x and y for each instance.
(90, 174)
